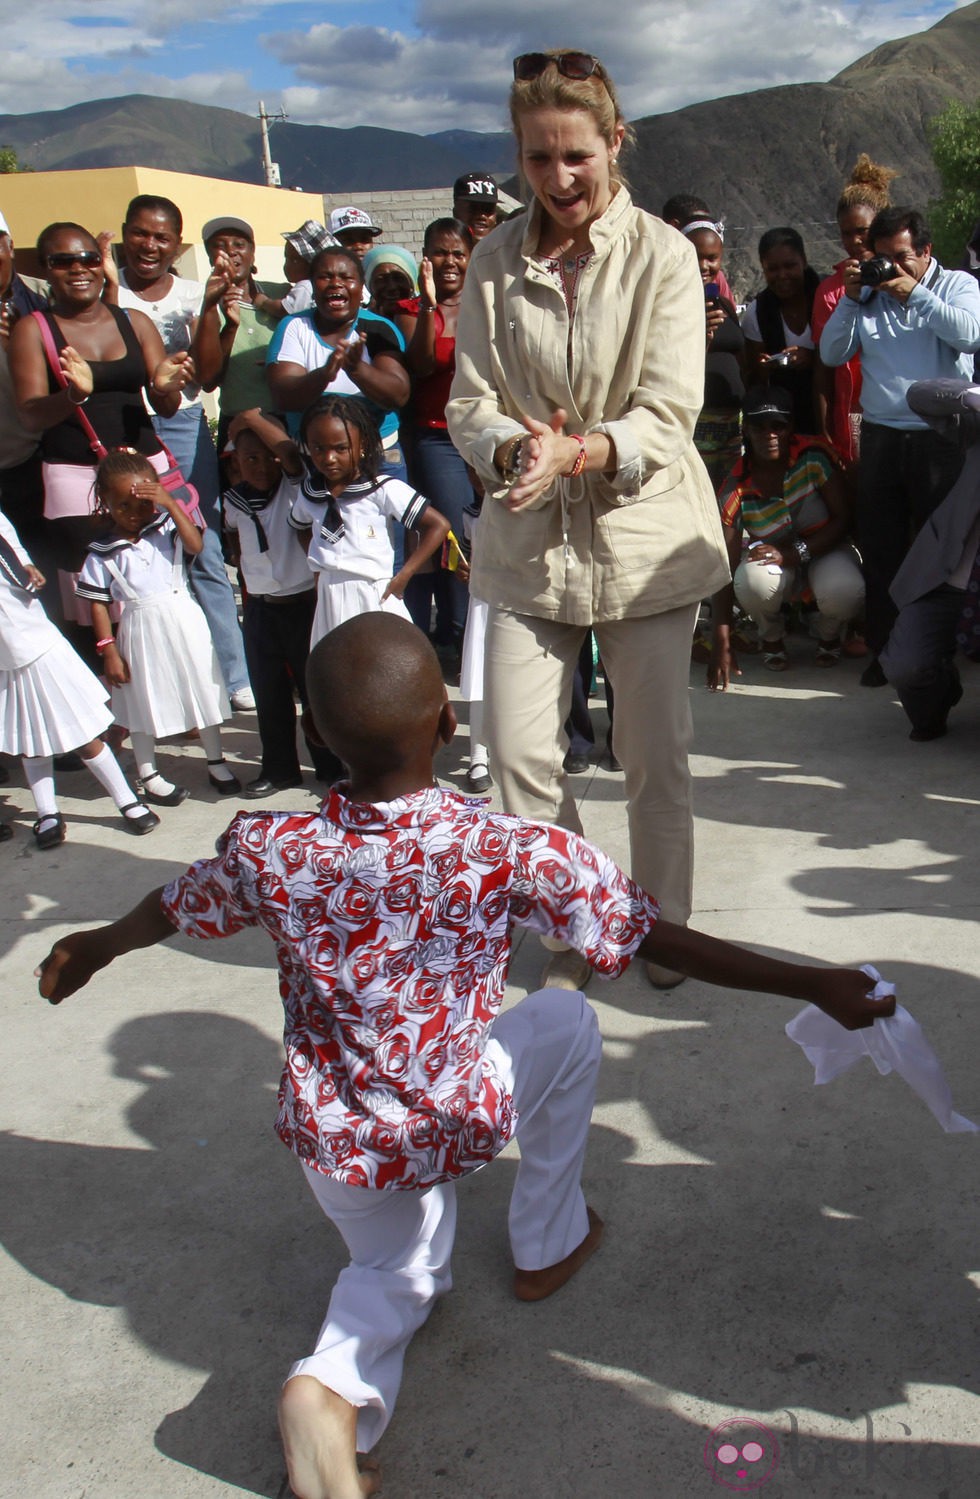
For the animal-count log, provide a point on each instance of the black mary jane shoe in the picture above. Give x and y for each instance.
(478, 780)
(145, 823)
(230, 786)
(167, 799)
(49, 831)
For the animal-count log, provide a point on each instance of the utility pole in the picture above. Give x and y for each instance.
(269, 167)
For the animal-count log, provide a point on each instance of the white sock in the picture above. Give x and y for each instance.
(144, 752)
(211, 740)
(105, 767)
(157, 784)
(39, 770)
(479, 758)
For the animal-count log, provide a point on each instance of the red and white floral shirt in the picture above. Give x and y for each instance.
(392, 925)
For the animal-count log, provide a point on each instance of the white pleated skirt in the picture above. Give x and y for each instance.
(474, 647)
(341, 596)
(176, 682)
(52, 706)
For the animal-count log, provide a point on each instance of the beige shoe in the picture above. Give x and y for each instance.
(565, 970)
(664, 978)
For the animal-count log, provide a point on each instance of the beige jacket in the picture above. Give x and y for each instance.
(649, 538)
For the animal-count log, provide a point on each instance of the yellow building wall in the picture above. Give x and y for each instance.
(98, 198)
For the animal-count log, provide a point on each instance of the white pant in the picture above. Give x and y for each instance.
(547, 1049)
(837, 584)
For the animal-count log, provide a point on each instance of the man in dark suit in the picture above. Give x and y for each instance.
(930, 589)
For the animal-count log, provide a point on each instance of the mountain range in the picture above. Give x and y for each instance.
(773, 156)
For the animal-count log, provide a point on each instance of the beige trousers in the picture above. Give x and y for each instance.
(837, 584)
(528, 687)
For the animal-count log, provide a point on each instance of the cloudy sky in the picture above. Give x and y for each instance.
(425, 65)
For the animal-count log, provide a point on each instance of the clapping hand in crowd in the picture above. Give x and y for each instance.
(173, 373)
(78, 372)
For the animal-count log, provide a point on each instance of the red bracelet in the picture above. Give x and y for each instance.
(100, 645)
(579, 464)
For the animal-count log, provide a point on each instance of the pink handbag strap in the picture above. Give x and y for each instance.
(50, 349)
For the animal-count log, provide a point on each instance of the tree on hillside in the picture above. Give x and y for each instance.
(954, 138)
(9, 161)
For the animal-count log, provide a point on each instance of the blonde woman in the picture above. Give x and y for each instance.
(579, 379)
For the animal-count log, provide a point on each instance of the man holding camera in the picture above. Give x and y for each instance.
(911, 320)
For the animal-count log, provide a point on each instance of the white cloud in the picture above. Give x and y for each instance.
(452, 71)
(669, 53)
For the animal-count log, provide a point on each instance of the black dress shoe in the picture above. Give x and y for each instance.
(265, 786)
(575, 764)
(873, 676)
(937, 727)
(610, 762)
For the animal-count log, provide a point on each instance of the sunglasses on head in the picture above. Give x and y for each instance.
(63, 260)
(575, 65)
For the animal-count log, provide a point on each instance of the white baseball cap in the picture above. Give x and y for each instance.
(352, 218)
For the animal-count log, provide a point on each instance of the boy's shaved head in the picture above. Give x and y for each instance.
(376, 692)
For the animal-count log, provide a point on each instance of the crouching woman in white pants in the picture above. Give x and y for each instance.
(785, 523)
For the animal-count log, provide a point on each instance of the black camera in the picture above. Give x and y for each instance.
(878, 269)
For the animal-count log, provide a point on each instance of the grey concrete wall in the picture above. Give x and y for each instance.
(403, 215)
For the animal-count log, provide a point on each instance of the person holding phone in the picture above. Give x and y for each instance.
(779, 341)
(717, 435)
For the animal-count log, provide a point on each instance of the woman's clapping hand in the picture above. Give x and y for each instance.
(173, 373)
(78, 372)
(548, 454)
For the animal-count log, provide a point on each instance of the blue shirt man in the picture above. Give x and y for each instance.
(922, 323)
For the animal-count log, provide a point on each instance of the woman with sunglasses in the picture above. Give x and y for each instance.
(106, 359)
(579, 379)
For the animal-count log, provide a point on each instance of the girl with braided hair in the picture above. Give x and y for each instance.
(160, 663)
(346, 508)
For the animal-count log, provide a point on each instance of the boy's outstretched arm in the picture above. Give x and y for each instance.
(72, 961)
(842, 993)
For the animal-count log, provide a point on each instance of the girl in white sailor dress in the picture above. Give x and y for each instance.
(162, 666)
(50, 703)
(345, 506)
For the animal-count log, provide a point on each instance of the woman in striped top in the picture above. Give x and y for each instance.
(785, 524)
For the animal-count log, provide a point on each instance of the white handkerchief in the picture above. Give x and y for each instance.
(896, 1044)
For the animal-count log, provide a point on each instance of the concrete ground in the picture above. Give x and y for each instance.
(803, 1259)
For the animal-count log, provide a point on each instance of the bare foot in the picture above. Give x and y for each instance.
(319, 1431)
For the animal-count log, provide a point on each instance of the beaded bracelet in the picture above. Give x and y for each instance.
(100, 645)
(579, 464)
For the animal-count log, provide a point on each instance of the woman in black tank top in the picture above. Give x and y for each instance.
(109, 359)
